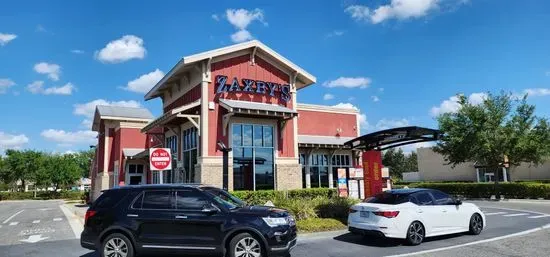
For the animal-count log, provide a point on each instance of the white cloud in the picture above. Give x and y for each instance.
(40, 28)
(381, 89)
(126, 48)
(345, 106)
(240, 19)
(241, 36)
(37, 87)
(387, 124)
(215, 17)
(52, 70)
(375, 98)
(5, 84)
(86, 123)
(145, 82)
(328, 97)
(537, 91)
(348, 82)
(69, 138)
(335, 33)
(11, 141)
(399, 9)
(547, 73)
(452, 105)
(77, 51)
(88, 109)
(6, 38)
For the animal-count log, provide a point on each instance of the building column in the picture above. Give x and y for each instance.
(307, 169)
(504, 173)
(477, 174)
(330, 175)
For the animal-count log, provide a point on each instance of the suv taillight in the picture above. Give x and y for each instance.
(387, 214)
(89, 214)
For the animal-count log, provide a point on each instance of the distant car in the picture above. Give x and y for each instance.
(414, 214)
(193, 219)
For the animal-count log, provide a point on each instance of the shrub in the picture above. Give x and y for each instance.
(485, 190)
(41, 195)
(262, 196)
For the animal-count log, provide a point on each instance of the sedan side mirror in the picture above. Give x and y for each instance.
(458, 202)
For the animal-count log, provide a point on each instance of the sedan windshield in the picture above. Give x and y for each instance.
(388, 198)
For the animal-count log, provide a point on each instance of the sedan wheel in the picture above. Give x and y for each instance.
(415, 233)
(476, 224)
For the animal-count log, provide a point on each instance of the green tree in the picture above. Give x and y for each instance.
(17, 167)
(64, 170)
(499, 129)
(84, 160)
(411, 162)
(398, 162)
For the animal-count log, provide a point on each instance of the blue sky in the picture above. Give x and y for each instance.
(399, 61)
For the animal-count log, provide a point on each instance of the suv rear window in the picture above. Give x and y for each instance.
(389, 198)
(109, 199)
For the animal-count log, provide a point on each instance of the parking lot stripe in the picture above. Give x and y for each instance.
(515, 215)
(35, 221)
(495, 213)
(12, 216)
(14, 223)
(57, 219)
(538, 216)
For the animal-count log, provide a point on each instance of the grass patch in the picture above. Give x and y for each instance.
(320, 224)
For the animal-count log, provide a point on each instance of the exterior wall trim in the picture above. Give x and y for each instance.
(324, 108)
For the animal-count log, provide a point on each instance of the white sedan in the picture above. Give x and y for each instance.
(414, 214)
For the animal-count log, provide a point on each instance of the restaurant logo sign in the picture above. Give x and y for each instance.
(252, 87)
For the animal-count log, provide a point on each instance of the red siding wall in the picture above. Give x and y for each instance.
(101, 147)
(110, 150)
(309, 123)
(130, 138)
(190, 96)
(241, 68)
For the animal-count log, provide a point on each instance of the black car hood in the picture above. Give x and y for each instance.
(263, 211)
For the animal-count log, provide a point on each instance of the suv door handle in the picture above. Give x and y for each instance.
(444, 210)
(132, 215)
(181, 217)
(419, 211)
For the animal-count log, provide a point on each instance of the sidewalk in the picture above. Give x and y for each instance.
(78, 209)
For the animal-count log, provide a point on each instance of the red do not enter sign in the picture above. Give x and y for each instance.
(160, 159)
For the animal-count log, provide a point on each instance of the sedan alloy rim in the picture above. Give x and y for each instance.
(477, 223)
(248, 247)
(416, 232)
(115, 247)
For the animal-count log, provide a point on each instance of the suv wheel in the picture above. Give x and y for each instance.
(117, 245)
(245, 245)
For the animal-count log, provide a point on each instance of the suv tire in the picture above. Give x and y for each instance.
(244, 243)
(116, 245)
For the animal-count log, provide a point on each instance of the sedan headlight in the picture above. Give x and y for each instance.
(274, 222)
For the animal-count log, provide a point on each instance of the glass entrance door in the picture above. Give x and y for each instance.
(253, 164)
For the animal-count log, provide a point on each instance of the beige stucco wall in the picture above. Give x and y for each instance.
(431, 167)
(531, 172)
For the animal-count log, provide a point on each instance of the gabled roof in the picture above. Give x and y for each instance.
(120, 113)
(303, 78)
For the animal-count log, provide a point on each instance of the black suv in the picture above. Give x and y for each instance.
(192, 219)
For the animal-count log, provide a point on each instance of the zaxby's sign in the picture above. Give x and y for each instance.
(252, 87)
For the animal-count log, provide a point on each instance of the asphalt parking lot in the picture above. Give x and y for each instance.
(43, 228)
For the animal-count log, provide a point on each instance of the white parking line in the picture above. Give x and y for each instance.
(515, 215)
(35, 221)
(494, 213)
(539, 216)
(14, 223)
(12, 216)
(57, 219)
(474, 243)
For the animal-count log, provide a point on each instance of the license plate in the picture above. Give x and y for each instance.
(364, 214)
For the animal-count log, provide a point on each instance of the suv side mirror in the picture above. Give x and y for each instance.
(209, 209)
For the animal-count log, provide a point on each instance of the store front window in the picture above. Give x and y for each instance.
(339, 161)
(253, 164)
(319, 170)
(135, 175)
(189, 154)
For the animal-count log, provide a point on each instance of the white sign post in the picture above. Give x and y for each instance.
(160, 159)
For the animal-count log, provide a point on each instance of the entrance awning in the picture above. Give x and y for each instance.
(322, 141)
(135, 153)
(389, 138)
(173, 114)
(254, 108)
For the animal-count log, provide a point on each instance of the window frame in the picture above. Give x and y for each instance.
(415, 195)
(449, 200)
(208, 200)
(171, 193)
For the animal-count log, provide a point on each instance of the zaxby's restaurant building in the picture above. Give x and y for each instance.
(244, 96)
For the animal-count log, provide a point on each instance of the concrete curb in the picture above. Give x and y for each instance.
(324, 234)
